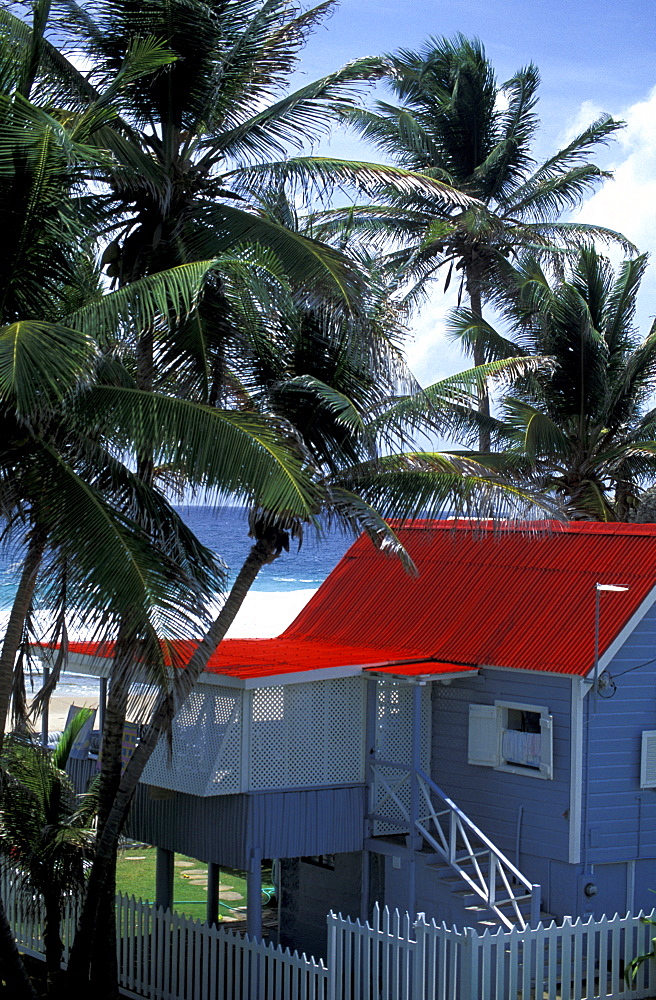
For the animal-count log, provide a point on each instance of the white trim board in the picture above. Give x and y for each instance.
(578, 692)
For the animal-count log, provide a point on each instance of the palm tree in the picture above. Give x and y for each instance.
(64, 402)
(455, 123)
(168, 200)
(186, 136)
(45, 835)
(582, 429)
(68, 411)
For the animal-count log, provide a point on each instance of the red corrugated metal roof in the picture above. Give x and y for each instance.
(506, 595)
(251, 658)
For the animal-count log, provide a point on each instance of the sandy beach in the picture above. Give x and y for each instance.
(262, 616)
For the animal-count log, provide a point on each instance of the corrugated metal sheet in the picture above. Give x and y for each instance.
(490, 595)
(252, 658)
(504, 595)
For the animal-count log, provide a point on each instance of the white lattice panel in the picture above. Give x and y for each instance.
(307, 734)
(394, 743)
(206, 754)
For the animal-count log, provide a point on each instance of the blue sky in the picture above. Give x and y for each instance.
(593, 55)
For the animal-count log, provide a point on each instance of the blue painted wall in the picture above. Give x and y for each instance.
(622, 816)
(495, 799)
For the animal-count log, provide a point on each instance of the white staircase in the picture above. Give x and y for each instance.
(492, 889)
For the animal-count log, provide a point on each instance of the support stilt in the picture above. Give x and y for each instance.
(254, 902)
(164, 872)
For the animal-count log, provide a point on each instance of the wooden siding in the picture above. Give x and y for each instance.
(224, 829)
(498, 801)
(621, 817)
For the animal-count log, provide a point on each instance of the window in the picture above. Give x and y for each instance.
(648, 759)
(511, 737)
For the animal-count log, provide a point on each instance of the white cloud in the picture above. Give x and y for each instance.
(588, 112)
(627, 203)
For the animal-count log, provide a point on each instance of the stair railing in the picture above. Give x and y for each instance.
(486, 871)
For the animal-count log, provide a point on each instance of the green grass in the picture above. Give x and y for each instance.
(135, 875)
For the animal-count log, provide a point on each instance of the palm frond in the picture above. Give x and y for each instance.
(299, 116)
(539, 434)
(227, 452)
(371, 178)
(162, 298)
(40, 363)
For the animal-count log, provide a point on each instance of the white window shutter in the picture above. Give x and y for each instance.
(648, 759)
(546, 749)
(483, 746)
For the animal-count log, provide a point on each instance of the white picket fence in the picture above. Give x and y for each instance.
(165, 956)
(394, 958)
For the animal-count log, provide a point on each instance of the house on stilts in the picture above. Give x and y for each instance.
(477, 742)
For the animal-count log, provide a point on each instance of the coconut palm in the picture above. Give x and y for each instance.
(174, 191)
(45, 835)
(68, 411)
(65, 403)
(454, 122)
(583, 430)
(169, 200)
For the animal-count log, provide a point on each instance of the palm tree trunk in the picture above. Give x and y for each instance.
(52, 942)
(476, 305)
(110, 777)
(87, 966)
(16, 623)
(12, 969)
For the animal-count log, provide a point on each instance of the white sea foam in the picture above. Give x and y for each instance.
(263, 615)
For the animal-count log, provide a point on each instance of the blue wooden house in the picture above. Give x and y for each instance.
(477, 742)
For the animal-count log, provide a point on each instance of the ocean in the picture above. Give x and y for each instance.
(279, 592)
(225, 531)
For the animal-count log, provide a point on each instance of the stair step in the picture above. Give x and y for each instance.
(518, 899)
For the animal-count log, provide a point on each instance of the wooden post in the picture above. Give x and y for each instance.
(254, 895)
(213, 880)
(419, 958)
(164, 878)
(411, 872)
(466, 970)
(331, 988)
(102, 704)
(46, 710)
(414, 837)
(371, 719)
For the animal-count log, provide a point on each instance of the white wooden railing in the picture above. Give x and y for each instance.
(393, 958)
(482, 867)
